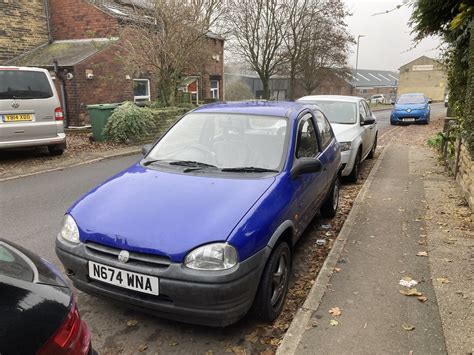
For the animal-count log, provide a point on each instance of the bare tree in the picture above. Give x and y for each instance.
(306, 21)
(168, 38)
(326, 52)
(256, 28)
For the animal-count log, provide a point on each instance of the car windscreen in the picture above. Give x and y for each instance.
(23, 84)
(225, 140)
(337, 111)
(411, 99)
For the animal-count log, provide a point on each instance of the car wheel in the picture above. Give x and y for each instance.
(273, 286)
(372, 151)
(329, 207)
(392, 123)
(354, 175)
(55, 149)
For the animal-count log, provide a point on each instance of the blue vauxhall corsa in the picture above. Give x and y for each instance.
(411, 108)
(203, 227)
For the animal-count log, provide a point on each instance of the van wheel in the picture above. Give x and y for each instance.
(354, 175)
(55, 149)
(329, 207)
(273, 286)
(372, 151)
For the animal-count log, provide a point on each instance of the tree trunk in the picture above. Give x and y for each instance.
(291, 87)
(266, 90)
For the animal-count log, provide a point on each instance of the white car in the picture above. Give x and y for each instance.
(377, 99)
(355, 128)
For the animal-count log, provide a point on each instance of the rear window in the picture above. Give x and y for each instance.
(13, 265)
(20, 84)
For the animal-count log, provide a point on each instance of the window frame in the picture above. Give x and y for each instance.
(214, 90)
(142, 97)
(302, 119)
(321, 145)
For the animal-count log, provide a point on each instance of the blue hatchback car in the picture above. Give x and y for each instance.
(411, 108)
(203, 227)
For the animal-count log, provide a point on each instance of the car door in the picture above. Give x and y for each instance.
(373, 127)
(364, 129)
(308, 188)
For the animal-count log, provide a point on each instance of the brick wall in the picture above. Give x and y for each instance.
(109, 85)
(465, 175)
(23, 27)
(214, 67)
(77, 19)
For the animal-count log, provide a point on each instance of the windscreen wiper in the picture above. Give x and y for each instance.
(192, 163)
(250, 169)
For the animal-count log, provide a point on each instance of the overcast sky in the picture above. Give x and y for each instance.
(387, 40)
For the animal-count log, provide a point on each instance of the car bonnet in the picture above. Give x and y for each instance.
(151, 211)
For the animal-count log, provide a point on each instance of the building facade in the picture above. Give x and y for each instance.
(425, 75)
(84, 42)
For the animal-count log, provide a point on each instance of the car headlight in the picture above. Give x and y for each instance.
(345, 146)
(216, 256)
(69, 231)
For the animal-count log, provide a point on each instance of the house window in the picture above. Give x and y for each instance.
(141, 90)
(215, 89)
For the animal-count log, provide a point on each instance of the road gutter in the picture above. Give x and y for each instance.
(94, 160)
(302, 318)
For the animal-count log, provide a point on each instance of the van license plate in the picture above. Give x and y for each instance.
(12, 118)
(123, 278)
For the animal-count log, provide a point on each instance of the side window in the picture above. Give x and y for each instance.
(307, 142)
(362, 110)
(367, 109)
(324, 129)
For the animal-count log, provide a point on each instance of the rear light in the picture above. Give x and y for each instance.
(72, 338)
(58, 114)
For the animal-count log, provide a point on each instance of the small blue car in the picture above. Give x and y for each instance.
(411, 108)
(203, 227)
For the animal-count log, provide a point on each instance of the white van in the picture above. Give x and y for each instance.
(30, 111)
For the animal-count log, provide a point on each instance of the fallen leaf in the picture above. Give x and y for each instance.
(422, 298)
(418, 219)
(210, 352)
(336, 269)
(407, 327)
(142, 348)
(401, 210)
(132, 323)
(387, 199)
(411, 292)
(333, 322)
(371, 236)
(173, 343)
(335, 311)
(442, 280)
(237, 350)
(448, 260)
(422, 253)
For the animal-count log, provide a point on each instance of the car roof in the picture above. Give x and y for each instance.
(2, 67)
(413, 94)
(342, 98)
(255, 107)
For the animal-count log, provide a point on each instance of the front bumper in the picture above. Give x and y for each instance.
(347, 160)
(404, 117)
(213, 298)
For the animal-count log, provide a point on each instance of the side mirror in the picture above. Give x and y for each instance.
(146, 148)
(305, 166)
(430, 101)
(367, 121)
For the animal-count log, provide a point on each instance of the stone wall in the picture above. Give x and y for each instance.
(23, 26)
(465, 175)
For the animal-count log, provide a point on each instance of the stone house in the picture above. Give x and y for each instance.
(82, 37)
(425, 75)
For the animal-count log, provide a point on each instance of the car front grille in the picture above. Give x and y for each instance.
(138, 259)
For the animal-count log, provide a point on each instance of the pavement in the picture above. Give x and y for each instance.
(409, 221)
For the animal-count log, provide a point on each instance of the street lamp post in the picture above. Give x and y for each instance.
(357, 59)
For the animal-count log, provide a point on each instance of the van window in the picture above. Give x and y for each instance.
(22, 84)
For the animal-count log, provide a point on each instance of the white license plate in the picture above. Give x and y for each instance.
(408, 120)
(123, 278)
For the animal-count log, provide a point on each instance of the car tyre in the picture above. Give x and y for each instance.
(329, 207)
(56, 149)
(372, 151)
(354, 175)
(271, 293)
